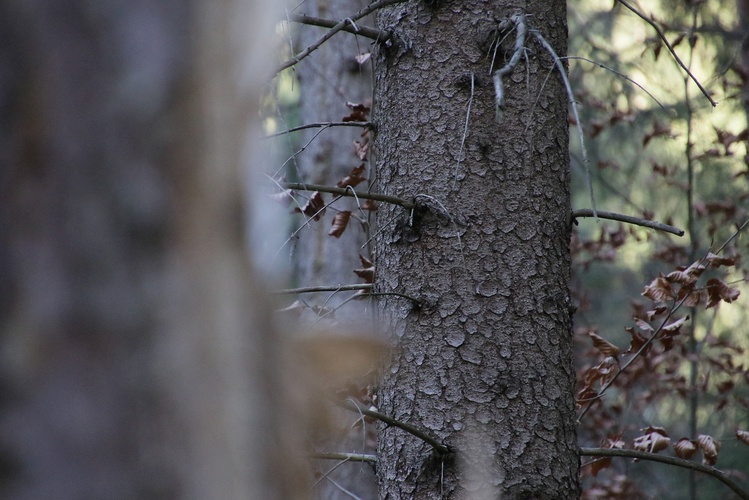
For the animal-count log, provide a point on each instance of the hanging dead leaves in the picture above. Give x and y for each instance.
(681, 285)
(314, 208)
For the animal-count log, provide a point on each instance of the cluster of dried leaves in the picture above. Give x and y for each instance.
(315, 206)
(650, 366)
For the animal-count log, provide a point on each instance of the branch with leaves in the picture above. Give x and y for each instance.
(677, 462)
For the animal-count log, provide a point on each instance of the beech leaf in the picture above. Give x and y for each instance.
(743, 436)
(603, 345)
(340, 221)
(717, 291)
(685, 448)
(654, 440)
(315, 206)
(710, 449)
(659, 290)
(354, 178)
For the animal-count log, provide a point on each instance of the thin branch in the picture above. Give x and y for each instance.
(622, 75)
(573, 104)
(312, 289)
(418, 302)
(677, 462)
(335, 29)
(351, 457)
(586, 212)
(349, 192)
(439, 447)
(662, 36)
(499, 93)
(364, 31)
(465, 133)
(738, 231)
(322, 125)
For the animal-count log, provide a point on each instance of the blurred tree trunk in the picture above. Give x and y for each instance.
(485, 364)
(134, 363)
(329, 79)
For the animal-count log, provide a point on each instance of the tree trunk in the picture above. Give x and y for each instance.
(136, 354)
(330, 78)
(485, 364)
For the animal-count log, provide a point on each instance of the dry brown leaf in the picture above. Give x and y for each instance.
(603, 345)
(654, 440)
(643, 325)
(717, 291)
(354, 178)
(359, 112)
(315, 206)
(340, 222)
(685, 448)
(675, 325)
(361, 149)
(367, 271)
(716, 261)
(659, 290)
(710, 449)
(743, 436)
(638, 340)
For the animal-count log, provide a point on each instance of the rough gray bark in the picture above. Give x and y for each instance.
(328, 79)
(134, 363)
(486, 363)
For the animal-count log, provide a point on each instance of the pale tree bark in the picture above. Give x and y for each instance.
(136, 357)
(328, 79)
(485, 365)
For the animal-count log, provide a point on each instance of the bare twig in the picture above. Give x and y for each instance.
(351, 457)
(662, 36)
(348, 192)
(322, 125)
(335, 29)
(586, 212)
(573, 104)
(364, 31)
(677, 462)
(465, 133)
(313, 289)
(499, 92)
(439, 447)
(579, 58)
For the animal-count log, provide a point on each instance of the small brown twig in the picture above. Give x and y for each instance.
(350, 192)
(438, 447)
(350, 457)
(322, 125)
(313, 289)
(364, 31)
(662, 36)
(586, 212)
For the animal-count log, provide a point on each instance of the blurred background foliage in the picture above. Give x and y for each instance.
(673, 157)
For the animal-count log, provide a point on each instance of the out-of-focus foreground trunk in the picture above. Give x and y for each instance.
(135, 360)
